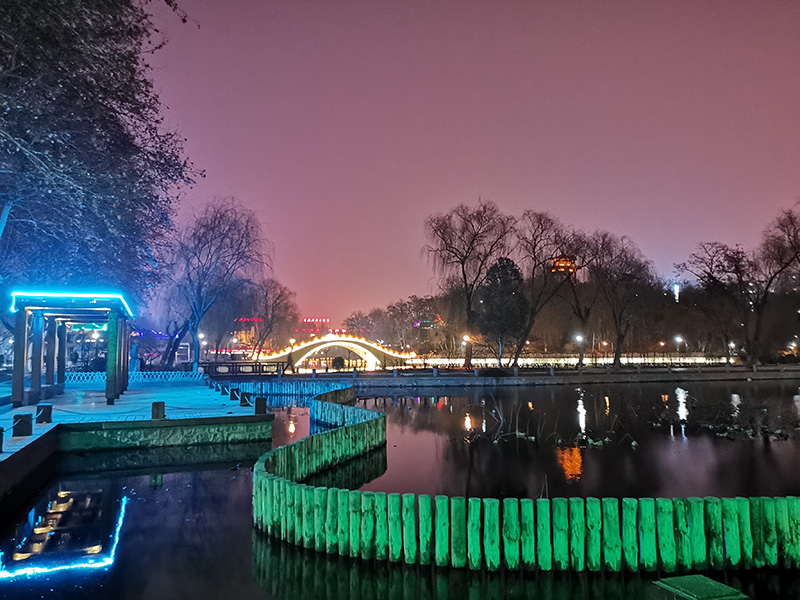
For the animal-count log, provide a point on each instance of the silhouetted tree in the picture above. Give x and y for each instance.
(463, 243)
(749, 279)
(625, 279)
(87, 171)
(541, 242)
(220, 246)
(503, 311)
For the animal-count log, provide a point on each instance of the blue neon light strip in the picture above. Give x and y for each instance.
(88, 564)
(69, 295)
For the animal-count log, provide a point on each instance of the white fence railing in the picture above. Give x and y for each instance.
(135, 377)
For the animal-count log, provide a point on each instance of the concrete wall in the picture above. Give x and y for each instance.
(169, 432)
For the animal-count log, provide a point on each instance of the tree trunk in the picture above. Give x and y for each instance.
(196, 349)
(499, 353)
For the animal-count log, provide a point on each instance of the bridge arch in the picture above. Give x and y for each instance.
(373, 354)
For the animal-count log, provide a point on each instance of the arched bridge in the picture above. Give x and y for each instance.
(373, 354)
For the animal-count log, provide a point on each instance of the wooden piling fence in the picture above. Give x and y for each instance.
(578, 534)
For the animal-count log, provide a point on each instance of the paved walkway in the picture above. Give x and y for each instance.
(182, 401)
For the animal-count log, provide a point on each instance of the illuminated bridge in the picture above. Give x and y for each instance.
(373, 354)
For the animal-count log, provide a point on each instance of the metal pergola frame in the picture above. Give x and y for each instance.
(50, 313)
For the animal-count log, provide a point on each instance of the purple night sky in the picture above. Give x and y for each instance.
(344, 123)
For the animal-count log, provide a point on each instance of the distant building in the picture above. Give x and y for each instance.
(564, 264)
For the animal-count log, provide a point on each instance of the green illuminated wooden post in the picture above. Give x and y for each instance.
(355, 523)
(560, 533)
(577, 534)
(367, 525)
(793, 503)
(442, 531)
(630, 534)
(527, 533)
(770, 532)
(291, 526)
(308, 516)
(715, 543)
(730, 527)
(683, 548)
(112, 357)
(458, 532)
(425, 529)
(381, 526)
(409, 529)
(320, 506)
(757, 526)
(491, 533)
(783, 531)
(544, 546)
(511, 532)
(647, 534)
(612, 541)
(474, 533)
(593, 537)
(745, 531)
(665, 522)
(697, 533)
(332, 521)
(395, 528)
(344, 522)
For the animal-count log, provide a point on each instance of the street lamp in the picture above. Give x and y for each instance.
(678, 341)
(579, 339)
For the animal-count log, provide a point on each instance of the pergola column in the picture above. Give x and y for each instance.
(126, 354)
(50, 354)
(112, 358)
(61, 355)
(20, 350)
(37, 336)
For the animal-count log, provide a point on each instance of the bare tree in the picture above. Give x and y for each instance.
(749, 279)
(580, 293)
(222, 245)
(464, 243)
(275, 310)
(541, 245)
(625, 279)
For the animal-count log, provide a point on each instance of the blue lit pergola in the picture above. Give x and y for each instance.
(48, 315)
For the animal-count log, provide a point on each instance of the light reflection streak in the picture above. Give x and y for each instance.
(88, 564)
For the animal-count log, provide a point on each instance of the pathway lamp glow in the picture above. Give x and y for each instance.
(579, 340)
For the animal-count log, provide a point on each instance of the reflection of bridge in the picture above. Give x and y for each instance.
(373, 354)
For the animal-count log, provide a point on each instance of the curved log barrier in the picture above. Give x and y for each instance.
(559, 534)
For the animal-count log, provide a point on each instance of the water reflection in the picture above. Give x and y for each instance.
(493, 443)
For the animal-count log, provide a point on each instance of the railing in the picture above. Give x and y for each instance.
(578, 534)
(243, 368)
(97, 378)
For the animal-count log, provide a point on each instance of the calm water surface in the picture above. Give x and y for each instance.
(714, 439)
(189, 534)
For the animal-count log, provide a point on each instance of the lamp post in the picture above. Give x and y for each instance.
(579, 340)
(678, 341)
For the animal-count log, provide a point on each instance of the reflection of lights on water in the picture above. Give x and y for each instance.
(292, 427)
(683, 412)
(467, 423)
(736, 401)
(581, 413)
(571, 462)
(530, 405)
(608, 406)
(88, 564)
(483, 426)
